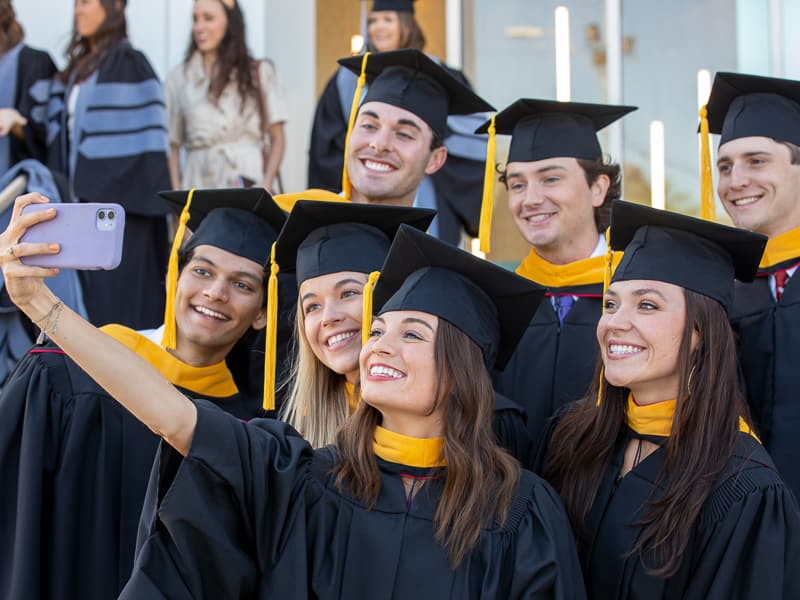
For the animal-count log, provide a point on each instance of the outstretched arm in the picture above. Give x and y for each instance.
(133, 382)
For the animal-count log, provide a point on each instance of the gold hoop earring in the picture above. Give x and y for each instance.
(689, 380)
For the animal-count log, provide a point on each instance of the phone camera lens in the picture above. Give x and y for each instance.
(102, 214)
(111, 214)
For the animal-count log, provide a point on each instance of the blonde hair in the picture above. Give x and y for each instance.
(318, 402)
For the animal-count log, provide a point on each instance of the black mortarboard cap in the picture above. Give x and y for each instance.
(244, 221)
(489, 304)
(406, 6)
(748, 105)
(695, 254)
(409, 79)
(328, 237)
(542, 129)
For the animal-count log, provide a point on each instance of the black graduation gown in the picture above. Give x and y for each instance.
(74, 466)
(252, 512)
(34, 67)
(511, 431)
(769, 339)
(554, 364)
(745, 543)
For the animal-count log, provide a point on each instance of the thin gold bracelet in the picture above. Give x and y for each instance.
(50, 321)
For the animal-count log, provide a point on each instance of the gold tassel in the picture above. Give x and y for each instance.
(487, 203)
(270, 348)
(170, 338)
(707, 208)
(362, 79)
(366, 306)
(606, 283)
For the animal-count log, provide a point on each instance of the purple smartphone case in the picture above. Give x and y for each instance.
(84, 245)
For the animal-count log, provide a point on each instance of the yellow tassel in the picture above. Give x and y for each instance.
(707, 208)
(487, 204)
(366, 306)
(272, 333)
(362, 79)
(170, 337)
(606, 283)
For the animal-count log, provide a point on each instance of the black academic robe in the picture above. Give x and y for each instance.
(511, 432)
(74, 467)
(554, 363)
(253, 512)
(745, 543)
(34, 70)
(118, 153)
(769, 340)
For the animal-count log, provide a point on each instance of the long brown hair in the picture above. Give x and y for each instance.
(233, 59)
(703, 437)
(480, 478)
(11, 32)
(82, 57)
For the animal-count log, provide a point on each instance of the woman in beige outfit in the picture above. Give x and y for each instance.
(223, 106)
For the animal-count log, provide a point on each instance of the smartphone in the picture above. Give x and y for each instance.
(90, 235)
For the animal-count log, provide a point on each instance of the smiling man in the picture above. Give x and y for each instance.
(397, 137)
(73, 465)
(560, 190)
(758, 119)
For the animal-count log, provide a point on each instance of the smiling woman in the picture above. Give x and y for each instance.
(668, 470)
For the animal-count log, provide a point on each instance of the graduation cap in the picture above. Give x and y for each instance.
(749, 105)
(410, 80)
(329, 237)
(692, 253)
(243, 221)
(541, 129)
(489, 304)
(406, 6)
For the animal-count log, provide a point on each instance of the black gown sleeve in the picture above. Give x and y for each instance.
(217, 519)
(748, 540)
(326, 151)
(546, 561)
(36, 68)
(511, 432)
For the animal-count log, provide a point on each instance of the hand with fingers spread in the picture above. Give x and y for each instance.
(25, 283)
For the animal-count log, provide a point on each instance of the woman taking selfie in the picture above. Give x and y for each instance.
(414, 499)
(669, 491)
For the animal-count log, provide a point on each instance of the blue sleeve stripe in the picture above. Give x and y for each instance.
(105, 121)
(128, 144)
(125, 95)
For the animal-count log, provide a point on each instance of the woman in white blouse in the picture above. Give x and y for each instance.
(225, 108)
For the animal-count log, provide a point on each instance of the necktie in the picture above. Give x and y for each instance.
(563, 304)
(781, 277)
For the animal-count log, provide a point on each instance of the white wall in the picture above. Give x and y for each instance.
(282, 30)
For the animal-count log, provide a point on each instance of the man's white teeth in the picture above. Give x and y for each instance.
(340, 337)
(385, 371)
(210, 313)
(624, 349)
(539, 218)
(377, 166)
(746, 201)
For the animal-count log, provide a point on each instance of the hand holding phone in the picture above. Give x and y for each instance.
(90, 235)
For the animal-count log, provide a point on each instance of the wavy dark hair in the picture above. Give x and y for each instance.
(703, 437)
(480, 478)
(84, 55)
(11, 32)
(592, 169)
(233, 59)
